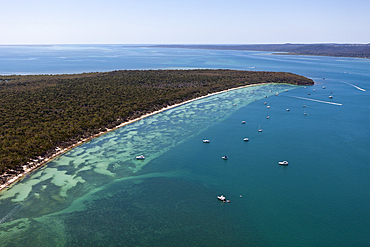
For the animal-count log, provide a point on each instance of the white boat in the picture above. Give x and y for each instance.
(277, 94)
(205, 141)
(221, 198)
(243, 122)
(246, 139)
(283, 163)
(268, 107)
(224, 157)
(323, 87)
(304, 105)
(140, 157)
(287, 109)
(259, 129)
(331, 96)
(268, 117)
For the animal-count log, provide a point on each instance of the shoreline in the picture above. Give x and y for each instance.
(44, 160)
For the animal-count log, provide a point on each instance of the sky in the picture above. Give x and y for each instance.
(184, 22)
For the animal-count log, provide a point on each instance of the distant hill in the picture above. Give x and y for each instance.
(336, 50)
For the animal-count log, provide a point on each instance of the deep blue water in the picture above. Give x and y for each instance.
(98, 194)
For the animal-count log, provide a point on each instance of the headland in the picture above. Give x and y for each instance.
(47, 115)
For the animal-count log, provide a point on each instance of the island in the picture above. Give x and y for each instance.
(42, 116)
(334, 50)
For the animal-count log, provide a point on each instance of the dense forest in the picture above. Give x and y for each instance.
(41, 112)
(335, 50)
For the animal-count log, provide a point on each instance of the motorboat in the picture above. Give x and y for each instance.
(323, 87)
(140, 157)
(243, 122)
(221, 198)
(268, 117)
(246, 139)
(283, 163)
(224, 157)
(331, 96)
(205, 141)
(268, 107)
(287, 109)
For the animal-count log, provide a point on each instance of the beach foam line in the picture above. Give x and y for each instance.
(320, 101)
(361, 89)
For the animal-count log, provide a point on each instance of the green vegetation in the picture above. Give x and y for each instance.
(335, 50)
(41, 112)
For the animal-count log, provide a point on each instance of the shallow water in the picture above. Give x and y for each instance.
(98, 194)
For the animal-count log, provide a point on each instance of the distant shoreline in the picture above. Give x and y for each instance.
(44, 160)
(331, 50)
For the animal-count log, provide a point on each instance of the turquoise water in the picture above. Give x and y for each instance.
(99, 195)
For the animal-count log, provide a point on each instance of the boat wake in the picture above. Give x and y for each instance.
(326, 102)
(361, 89)
(8, 215)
